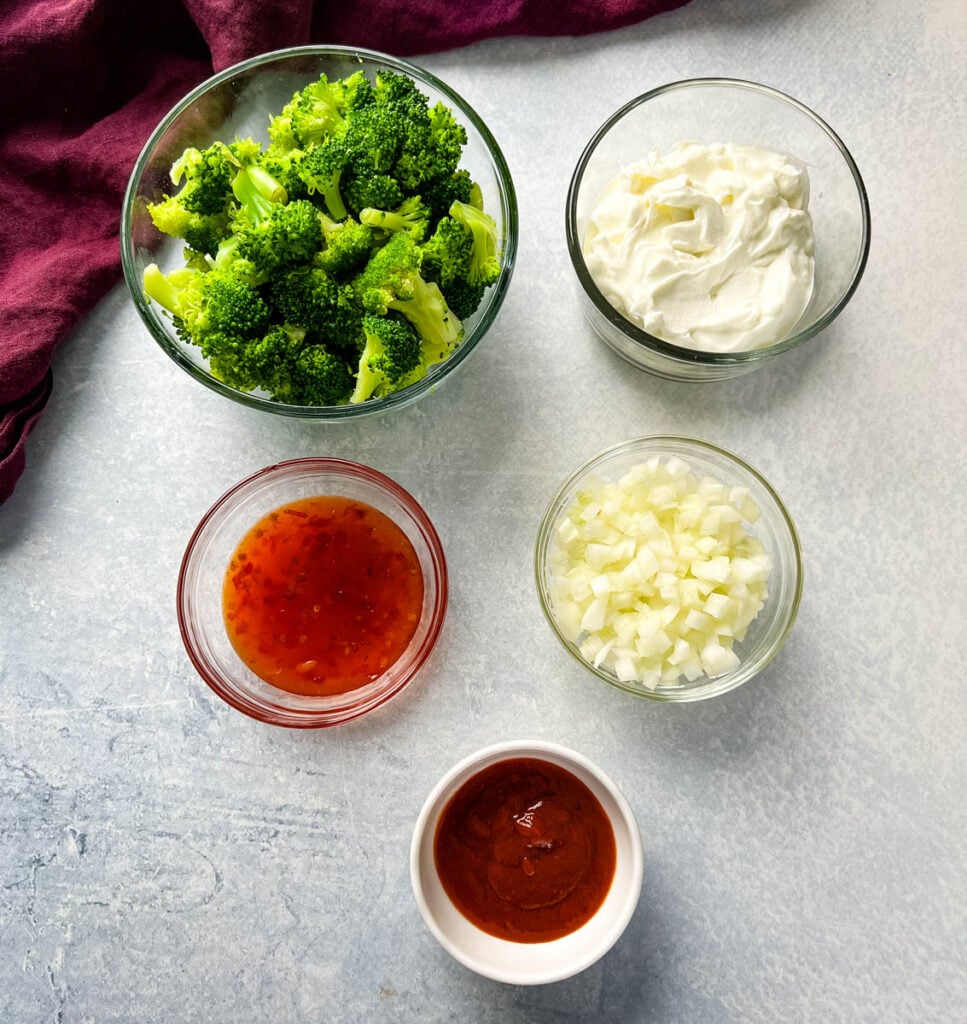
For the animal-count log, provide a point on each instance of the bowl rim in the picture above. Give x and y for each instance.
(716, 685)
(436, 373)
(424, 832)
(347, 710)
(669, 349)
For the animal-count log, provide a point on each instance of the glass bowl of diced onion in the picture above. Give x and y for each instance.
(669, 568)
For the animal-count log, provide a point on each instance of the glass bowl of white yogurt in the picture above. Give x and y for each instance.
(714, 224)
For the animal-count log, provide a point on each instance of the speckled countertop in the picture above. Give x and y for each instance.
(165, 859)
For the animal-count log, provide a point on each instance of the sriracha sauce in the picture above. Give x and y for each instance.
(525, 850)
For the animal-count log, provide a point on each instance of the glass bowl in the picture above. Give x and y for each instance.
(721, 110)
(238, 102)
(774, 529)
(530, 963)
(206, 559)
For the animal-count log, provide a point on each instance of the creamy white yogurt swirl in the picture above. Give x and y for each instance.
(706, 246)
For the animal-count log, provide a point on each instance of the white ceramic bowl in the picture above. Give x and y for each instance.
(527, 963)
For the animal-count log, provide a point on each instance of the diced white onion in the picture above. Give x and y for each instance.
(655, 576)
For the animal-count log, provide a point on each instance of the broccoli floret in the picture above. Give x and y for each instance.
(441, 193)
(316, 377)
(463, 296)
(410, 216)
(374, 135)
(391, 280)
(326, 311)
(447, 252)
(202, 232)
(431, 148)
(207, 176)
(245, 152)
(363, 188)
(318, 111)
(391, 358)
(321, 169)
(178, 292)
(393, 87)
(230, 309)
(286, 166)
(348, 245)
(214, 310)
(281, 137)
(265, 362)
(290, 233)
(447, 259)
(257, 194)
(484, 263)
(283, 363)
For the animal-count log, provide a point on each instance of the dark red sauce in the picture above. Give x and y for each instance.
(322, 595)
(525, 851)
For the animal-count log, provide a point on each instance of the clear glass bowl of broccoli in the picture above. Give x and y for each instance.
(321, 232)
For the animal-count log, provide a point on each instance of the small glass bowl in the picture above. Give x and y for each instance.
(531, 963)
(774, 528)
(210, 549)
(238, 102)
(723, 110)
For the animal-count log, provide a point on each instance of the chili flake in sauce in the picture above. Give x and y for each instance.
(525, 851)
(322, 595)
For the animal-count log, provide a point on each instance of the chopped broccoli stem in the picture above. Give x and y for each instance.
(410, 216)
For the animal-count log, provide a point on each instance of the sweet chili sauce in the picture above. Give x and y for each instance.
(525, 851)
(322, 595)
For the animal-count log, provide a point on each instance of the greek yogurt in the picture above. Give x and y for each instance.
(710, 247)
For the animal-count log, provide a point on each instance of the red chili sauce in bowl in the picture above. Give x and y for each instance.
(322, 595)
(525, 851)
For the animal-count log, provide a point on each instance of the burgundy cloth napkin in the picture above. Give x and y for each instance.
(84, 82)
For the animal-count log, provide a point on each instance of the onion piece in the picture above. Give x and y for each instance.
(655, 576)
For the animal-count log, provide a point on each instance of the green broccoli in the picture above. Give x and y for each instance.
(208, 176)
(392, 358)
(338, 262)
(447, 257)
(289, 233)
(257, 193)
(348, 245)
(201, 232)
(283, 363)
(484, 263)
(363, 187)
(447, 252)
(326, 311)
(321, 170)
(431, 149)
(317, 377)
(391, 280)
(441, 193)
(286, 167)
(267, 361)
(200, 211)
(410, 216)
(463, 296)
(318, 111)
(215, 310)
